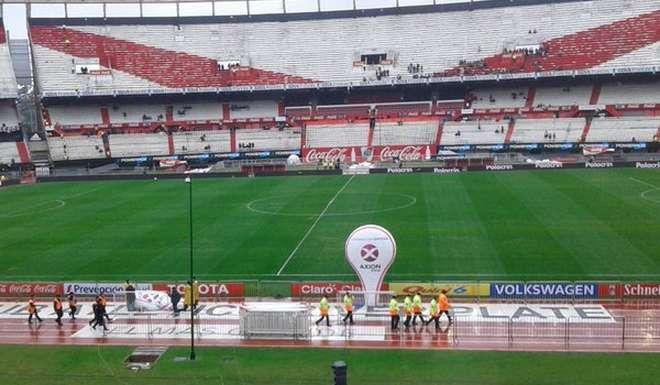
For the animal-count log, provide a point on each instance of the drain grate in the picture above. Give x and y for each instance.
(144, 358)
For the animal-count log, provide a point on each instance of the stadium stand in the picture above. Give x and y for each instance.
(76, 148)
(9, 153)
(337, 135)
(630, 93)
(577, 95)
(132, 145)
(626, 129)
(267, 140)
(199, 142)
(146, 55)
(473, 132)
(404, 132)
(563, 130)
(75, 115)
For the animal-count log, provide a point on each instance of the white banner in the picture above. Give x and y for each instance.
(370, 250)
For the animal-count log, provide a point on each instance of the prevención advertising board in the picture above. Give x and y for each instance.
(544, 290)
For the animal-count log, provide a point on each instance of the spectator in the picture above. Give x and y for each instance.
(130, 295)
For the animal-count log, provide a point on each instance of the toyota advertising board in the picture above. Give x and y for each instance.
(207, 289)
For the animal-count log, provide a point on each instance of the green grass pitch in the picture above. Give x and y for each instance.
(103, 365)
(545, 225)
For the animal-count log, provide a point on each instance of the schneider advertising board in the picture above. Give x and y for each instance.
(370, 250)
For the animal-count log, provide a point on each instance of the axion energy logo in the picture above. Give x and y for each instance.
(540, 290)
(369, 252)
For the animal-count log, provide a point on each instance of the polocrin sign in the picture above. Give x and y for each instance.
(370, 250)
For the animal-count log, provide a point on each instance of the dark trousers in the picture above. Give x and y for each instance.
(105, 314)
(327, 320)
(421, 318)
(436, 319)
(394, 322)
(349, 316)
(99, 321)
(445, 312)
(175, 307)
(72, 311)
(59, 313)
(36, 315)
(406, 323)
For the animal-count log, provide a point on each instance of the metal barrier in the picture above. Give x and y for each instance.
(275, 324)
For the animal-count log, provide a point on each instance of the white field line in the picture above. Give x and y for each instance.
(643, 193)
(309, 231)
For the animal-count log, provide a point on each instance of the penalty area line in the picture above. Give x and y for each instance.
(309, 231)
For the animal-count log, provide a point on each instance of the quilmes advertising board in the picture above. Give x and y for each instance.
(544, 290)
(454, 289)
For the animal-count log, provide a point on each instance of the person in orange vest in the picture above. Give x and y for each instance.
(32, 309)
(324, 309)
(57, 307)
(443, 305)
(73, 306)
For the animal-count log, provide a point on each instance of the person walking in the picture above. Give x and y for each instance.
(433, 311)
(443, 304)
(417, 309)
(324, 309)
(394, 313)
(348, 306)
(104, 302)
(408, 309)
(98, 315)
(175, 297)
(73, 306)
(58, 308)
(129, 290)
(32, 310)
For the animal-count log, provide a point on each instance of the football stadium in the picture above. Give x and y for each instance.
(330, 192)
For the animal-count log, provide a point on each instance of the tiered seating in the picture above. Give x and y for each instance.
(129, 145)
(269, 140)
(75, 115)
(197, 111)
(344, 110)
(402, 109)
(576, 34)
(630, 93)
(136, 113)
(562, 96)
(7, 78)
(199, 142)
(8, 118)
(405, 133)
(474, 132)
(76, 147)
(337, 135)
(253, 109)
(584, 49)
(499, 98)
(9, 153)
(629, 129)
(563, 130)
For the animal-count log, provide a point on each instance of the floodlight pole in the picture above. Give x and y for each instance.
(192, 285)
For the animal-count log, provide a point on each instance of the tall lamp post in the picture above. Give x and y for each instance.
(192, 286)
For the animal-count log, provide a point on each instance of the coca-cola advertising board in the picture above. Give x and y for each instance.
(17, 289)
(359, 154)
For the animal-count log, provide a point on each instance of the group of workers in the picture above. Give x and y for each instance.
(412, 308)
(99, 308)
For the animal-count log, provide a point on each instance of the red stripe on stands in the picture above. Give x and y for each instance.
(509, 132)
(232, 139)
(3, 36)
(23, 152)
(579, 50)
(170, 143)
(585, 131)
(531, 95)
(595, 94)
(168, 68)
